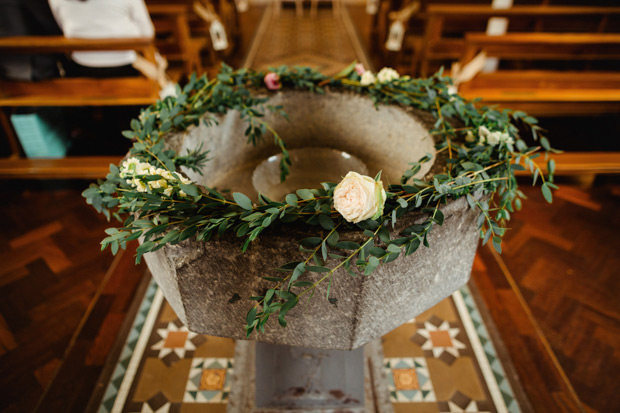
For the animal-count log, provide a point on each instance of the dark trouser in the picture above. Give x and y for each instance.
(27, 18)
(73, 69)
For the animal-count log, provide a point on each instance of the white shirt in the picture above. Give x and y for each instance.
(103, 19)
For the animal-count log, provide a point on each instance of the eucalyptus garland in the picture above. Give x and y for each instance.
(153, 200)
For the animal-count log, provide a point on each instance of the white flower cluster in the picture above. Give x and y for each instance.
(490, 138)
(368, 78)
(133, 170)
(385, 75)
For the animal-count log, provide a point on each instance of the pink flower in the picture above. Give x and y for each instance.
(360, 69)
(272, 81)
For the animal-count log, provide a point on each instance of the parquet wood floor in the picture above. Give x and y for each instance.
(564, 259)
(52, 268)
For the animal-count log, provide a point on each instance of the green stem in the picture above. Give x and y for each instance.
(341, 264)
(305, 262)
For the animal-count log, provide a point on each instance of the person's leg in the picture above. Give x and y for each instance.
(74, 69)
(12, 23)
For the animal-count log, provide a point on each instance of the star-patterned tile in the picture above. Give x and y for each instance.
(209, 380)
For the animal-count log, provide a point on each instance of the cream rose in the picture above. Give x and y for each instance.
(358, 197)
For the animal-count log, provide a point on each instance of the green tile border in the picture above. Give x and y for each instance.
(109, 396)
(490, 352)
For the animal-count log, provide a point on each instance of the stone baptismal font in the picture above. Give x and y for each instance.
(329, 355)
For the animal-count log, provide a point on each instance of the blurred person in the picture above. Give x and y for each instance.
(102, 19)
(27, 18)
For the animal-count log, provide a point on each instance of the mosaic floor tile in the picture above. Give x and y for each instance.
(471, 407)
(157, 377)
(408, 380)
(181, 372)
(174, 339)
(209, 380)
(118, 374)
(461, 376)
(418, 381)
(440, 339)
(465, 300)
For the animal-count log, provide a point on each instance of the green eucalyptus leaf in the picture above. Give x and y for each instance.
(251, 316)
(315, 268)
(310, 242)
(243, 201)
(326, 222)
(347, 245)
(393, 248)
(191, 190)
(291, 199)
(546, 191)
(289, 266)
(333, 238)
(373, 263)
(299, 270)
(305, 194)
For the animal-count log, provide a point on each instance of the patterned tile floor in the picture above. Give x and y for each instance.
(442, 361)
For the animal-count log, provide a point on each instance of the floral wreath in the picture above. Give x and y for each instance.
(155, 201)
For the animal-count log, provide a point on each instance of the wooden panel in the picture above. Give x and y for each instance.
(79, 92)
(84, 167)
(543, 95)
(54, 44)
(516, 79)
(559, 108)
(487, 11)
(173, 19)
(169, 8)
(545, 38)
(564, 46)
(581, 163)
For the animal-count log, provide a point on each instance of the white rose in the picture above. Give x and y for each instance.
(470, 137)
(494, 138)
(506, 138)
(358, 197)
(483, 132)
(387, 74)
(368, 79)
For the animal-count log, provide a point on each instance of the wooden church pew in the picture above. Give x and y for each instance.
(552, 92)
(68, 92)
(446, 26)
(547, 92)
